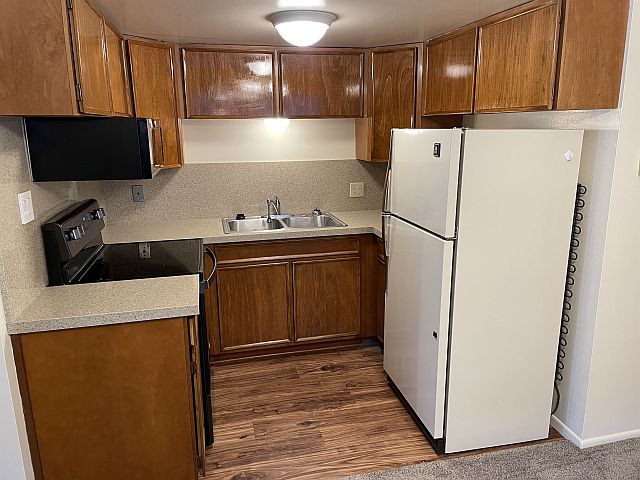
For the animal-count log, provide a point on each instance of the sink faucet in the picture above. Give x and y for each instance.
(276, 207)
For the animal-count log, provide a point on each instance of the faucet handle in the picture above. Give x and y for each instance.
(316, 211)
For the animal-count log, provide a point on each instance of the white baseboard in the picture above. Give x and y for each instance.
(616, 437)
(566, 432)
(574, 438)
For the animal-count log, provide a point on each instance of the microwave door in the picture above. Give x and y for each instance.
(156, 146)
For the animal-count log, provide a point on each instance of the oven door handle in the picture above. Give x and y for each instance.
(209, 253)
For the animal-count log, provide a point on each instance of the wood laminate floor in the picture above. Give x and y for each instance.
(318, 416)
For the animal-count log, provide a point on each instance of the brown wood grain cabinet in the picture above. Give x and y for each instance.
(90, 51)
(228, 84)
(594, 34)
(154, 93)
(449, 73)
(326, 298)
(392, 103)
(254, 303)
(287, 295)
(381, 288)
(517, 59)
(114, 401)
(321, 85)
(118, 72)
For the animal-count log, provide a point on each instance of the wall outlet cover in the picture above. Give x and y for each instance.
(356, 189)
(138, 193)
(25, 202)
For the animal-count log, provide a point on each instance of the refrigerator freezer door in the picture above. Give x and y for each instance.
(417, 319)
(516, 209)
(423, 183)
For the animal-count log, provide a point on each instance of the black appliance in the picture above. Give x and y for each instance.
(75, 253)
(89, 148)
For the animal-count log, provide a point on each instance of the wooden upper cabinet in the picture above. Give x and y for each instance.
(118, 72)
(449, 73)
(394, 96)
(321, 85)
(517, 59)
(90, 53)
(154, 95)
(228, 84)
(593, 44)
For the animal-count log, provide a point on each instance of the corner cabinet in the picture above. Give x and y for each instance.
(321, 84)
(286, 295)
(154, 93)
(392, 97)
(517, 55)
(112, 401)
(55, 58)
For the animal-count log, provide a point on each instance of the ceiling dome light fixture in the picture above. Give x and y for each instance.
(302, 27)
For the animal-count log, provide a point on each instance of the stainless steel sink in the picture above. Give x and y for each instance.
(250, 224)
(280, 222)
(324, 220)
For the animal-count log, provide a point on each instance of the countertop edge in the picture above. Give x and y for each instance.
(84, 321)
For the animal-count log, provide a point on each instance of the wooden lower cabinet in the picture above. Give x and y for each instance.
(286, 295)
(254, 305)
(327, 298)
(109, 402)
(381, 288)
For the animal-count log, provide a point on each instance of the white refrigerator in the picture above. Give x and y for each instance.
(477, 228)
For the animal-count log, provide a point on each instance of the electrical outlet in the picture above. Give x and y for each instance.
(25, 202)
(356, 189)
(144, 250)
(138, 193)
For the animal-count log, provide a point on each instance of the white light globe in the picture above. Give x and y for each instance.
(302, 27)
(302, 33)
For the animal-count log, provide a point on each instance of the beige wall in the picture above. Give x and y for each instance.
(613, 399)
(232, 141)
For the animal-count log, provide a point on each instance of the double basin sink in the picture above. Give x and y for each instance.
(280, 222)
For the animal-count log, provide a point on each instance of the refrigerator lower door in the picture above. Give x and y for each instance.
(516, 210)
(417, 319)
(423, 178)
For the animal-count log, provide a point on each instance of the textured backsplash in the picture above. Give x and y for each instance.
(223, 189)
(23, 273)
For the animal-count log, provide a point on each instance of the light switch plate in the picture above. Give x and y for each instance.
(25, 202)
(356, 189)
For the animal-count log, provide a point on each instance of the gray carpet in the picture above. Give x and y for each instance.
(547, 461)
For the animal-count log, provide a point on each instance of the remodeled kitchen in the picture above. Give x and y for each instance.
(319, 240)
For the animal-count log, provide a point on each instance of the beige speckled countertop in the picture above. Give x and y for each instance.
(93, 304)
(210, 230)
(75, 306)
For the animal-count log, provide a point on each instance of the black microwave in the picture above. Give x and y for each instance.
(90, 148)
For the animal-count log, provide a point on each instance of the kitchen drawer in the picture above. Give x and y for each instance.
(286, 249)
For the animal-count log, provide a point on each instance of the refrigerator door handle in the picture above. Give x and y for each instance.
(385, 235)
(387, 179)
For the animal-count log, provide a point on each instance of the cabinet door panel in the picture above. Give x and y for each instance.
(91, 59)
(517, 62)
(228, 84)
(593, 45)
(394, 78)
(154, 93)
(118, 73)
(327, 298)
(254, 306)
(450, 75)
(321, 85)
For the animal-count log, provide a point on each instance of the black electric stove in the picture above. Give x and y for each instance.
(76, 253)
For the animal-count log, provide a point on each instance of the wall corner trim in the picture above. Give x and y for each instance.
(566, 432)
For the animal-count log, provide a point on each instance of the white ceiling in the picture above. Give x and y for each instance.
(361, 23)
